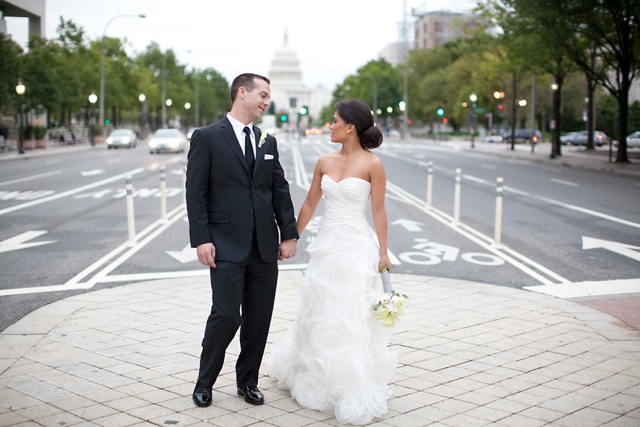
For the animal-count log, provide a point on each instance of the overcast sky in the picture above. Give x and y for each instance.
(332, 38)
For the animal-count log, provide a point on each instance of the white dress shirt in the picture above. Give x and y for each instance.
(238, 128)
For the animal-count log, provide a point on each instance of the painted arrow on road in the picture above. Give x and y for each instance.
(617, 247)
(188, 254)
(408, 224)
(18, 242)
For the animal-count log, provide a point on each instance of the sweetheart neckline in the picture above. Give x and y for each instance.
(343, 179)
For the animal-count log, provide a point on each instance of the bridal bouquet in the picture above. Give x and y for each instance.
(391, 304)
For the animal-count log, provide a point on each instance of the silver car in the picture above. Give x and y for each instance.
(122, 138)
(633, 140)
(169, 140)
(580, 138)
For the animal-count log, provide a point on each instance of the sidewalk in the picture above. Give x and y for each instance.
(469, 354)
(52, 149)
(574, 157)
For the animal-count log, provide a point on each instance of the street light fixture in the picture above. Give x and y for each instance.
(142, 97)
(93, 98)
(473, 97)
(164, 85)
(522, 103)
(20, 88)
(375, 98)
(187, 105)
(102, 64)
(554, 86)
(389, 110)
(143, 115)
(168, 102)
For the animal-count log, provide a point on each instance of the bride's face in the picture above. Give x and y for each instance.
(339, 129)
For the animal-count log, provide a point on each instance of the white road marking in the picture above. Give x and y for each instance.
(53, 162)
(486, 166)
(617, 247)
(187, 254)
(20, 241)
(70, 192)
(408, 224)
(586, 289)
(30, 178)
(92, 172)
(301, 177)
(559, 181)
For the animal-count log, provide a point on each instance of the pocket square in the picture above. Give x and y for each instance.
(268, 156)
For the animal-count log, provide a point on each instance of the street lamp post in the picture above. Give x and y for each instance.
(473, 98)
(143, 114)
(20, 88)
(93, 98)
(164, 87)
(102, 64)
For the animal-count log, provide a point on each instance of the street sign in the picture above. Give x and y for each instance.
(479, 110)
(472, 118)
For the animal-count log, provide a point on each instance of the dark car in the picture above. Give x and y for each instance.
(524, 135)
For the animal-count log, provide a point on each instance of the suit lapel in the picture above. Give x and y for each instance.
(230, 136)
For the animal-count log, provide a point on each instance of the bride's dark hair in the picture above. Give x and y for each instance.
(358, 113)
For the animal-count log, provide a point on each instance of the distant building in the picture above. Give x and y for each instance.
(392, 53)
(433, 29)
(32, 9)
(288, 91)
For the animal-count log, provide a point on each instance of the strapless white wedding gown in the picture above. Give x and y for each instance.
(335, 357)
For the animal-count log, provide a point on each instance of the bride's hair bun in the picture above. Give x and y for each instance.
(359, 114)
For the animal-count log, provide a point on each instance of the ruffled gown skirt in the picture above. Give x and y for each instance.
(335, 357)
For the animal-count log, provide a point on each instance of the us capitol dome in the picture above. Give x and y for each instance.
(288, 91)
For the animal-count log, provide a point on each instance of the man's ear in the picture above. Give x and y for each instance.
(242, 92)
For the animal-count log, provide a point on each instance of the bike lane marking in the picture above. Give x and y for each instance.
(30, 178)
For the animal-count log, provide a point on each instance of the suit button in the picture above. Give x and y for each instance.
(250, 212)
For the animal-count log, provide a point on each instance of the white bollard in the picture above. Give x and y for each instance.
(163, 194)
(456, 199)
(498, 223)
(184, 183)
(430, 185)
(130, 214)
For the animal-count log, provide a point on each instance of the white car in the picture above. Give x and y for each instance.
(122, 138)
(493, 138)
(169, 140)
(633, 140)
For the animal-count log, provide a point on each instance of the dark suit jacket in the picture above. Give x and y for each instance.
(224, 202)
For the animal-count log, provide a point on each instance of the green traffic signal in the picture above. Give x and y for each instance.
(440, 112)
(107, 122)
(283, 117)
(304, 110)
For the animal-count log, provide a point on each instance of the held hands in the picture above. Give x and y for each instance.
(287, 249)
(207, 254)
(384, 262)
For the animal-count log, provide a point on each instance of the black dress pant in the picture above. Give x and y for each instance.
(243, 295)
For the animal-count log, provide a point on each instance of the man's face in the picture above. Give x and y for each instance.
(257, 101)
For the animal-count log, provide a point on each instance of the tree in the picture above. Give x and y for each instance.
(10, 53)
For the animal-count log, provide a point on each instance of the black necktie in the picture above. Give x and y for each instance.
(248, 149)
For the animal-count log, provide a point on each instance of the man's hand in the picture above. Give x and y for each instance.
(287, 249)
(207, 254)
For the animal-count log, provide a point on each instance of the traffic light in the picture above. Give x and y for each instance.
(402, 105)
(440, 112)
(107, 122)
(500, 110)
(445, 120)
(304, 110)
(283, 118)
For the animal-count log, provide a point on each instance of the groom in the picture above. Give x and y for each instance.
(237, 199)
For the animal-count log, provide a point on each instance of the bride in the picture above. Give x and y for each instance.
(335, 357)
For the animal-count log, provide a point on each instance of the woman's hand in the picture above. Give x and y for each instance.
(384, 262)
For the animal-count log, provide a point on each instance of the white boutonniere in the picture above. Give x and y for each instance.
(263, 137)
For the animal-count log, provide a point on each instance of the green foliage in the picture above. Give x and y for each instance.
(10, 53)
(39, 132)
(96, 130)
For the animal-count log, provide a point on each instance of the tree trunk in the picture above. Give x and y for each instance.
(623, 115)
(591, 90)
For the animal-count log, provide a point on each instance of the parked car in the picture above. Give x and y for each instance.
(190, 132)
(633, 140)
(122, 138)
(168, 140)
(524, 135)
(580, 138)
(494, 138)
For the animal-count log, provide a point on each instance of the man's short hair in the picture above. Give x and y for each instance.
(247, 81)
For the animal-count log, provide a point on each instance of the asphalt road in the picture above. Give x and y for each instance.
(63, 224)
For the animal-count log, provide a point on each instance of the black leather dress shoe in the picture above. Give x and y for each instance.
(202, 397)
(251, 395)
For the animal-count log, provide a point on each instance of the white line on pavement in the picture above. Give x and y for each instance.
(587, 289)
(302, 180)
(70, 192)
(30, 178)
(559, 181)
